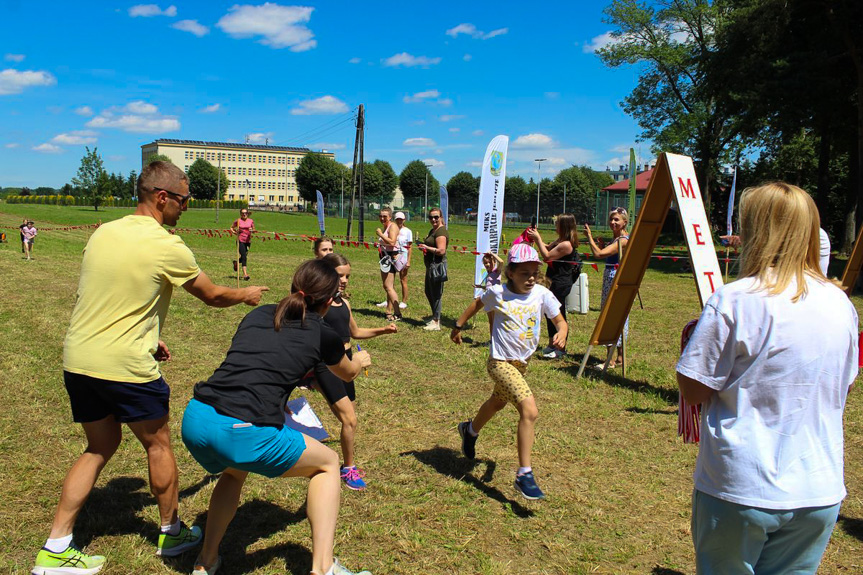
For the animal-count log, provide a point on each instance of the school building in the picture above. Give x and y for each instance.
(261, 175)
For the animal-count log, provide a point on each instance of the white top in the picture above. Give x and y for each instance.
(517, 318)
(825, 250)
(406, 236)
(771, 436)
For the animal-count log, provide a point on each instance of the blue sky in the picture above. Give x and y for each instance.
(438, 81)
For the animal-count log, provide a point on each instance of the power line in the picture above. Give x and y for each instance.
(310, 134)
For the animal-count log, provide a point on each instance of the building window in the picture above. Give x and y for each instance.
(281, 198)
(230, 196)
(272, 198)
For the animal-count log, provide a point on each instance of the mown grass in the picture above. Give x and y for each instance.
(618, 479)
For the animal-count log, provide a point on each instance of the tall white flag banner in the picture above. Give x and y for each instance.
(489, 220)
(729, 227)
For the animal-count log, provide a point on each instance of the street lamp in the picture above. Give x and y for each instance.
(426, 206)
(538, 181)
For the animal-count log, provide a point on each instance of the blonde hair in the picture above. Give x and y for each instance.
(622, 213)
(779, 231)
(567, 230)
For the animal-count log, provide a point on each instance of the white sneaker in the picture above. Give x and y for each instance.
(382, 304)
(432, 326)
(554, 354)
(403, 305)
(547, 350)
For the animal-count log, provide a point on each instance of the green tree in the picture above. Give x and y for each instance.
(390, 179)
(515, 193)
(464, 187)
(88, 178)
(158, 158)
(412, 181)
(130, 189)
(672, 42)
(319, 172)
(204, 179)
(373, 185)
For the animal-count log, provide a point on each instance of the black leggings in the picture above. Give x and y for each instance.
(331, 386)
(561, 291)
(244, 250)
(434, 293)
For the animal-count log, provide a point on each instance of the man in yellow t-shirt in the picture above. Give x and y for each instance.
(111, 353)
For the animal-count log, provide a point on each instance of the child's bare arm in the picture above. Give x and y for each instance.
(471, 311)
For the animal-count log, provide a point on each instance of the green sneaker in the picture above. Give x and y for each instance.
(71, 561)
(173, 545)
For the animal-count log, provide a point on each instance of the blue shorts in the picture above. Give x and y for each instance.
(218, 442)
(93, 399)
(732, 539)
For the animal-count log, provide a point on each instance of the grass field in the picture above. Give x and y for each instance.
(618, 479)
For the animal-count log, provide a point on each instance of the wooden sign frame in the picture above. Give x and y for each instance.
(853, 266)
(673, 180)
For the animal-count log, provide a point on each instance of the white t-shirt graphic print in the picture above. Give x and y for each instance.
(517, 320)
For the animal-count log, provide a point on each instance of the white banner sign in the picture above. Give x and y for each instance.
(699, 239)
(489, 222)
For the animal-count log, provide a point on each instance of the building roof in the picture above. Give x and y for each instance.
(641, 182)
(226, 145)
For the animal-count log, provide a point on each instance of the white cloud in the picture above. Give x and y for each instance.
(211, 108)
(278, 26)
(15, 82)
(192, 27)
(552, 95)
(451, 117)
(444, 102)
(14, 57)
(409, 61)
(419, 142)
(320, 106)
(325, 146)
(477, 133)
(455, 130)
(355, 60)
(259, 137)
(138, 117)
(475, 164)
(150, 10)
(533, 141)
(467, 57)
(597, 43)
(76, 138)
(434, 163)
(11, 145)
(421, 96)
(556, 161)
(85, 111)
(47, 148)
(471, 31)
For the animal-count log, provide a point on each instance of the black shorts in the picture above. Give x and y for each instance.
(332, 386)
(94, 399)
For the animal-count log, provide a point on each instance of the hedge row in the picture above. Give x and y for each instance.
(115, 203)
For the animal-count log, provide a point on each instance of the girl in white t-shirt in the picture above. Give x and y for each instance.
(771, 360)
(515, 312)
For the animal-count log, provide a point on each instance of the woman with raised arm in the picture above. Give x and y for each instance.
(618, 219)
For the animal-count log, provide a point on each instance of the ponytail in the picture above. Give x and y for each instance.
(314, 285)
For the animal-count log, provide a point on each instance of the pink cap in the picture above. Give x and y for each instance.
(521, 253)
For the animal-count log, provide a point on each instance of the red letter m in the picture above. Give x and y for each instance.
(686, 188)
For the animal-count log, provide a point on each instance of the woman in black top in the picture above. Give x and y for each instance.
(433, 248)
(235, 422)
(563, 264)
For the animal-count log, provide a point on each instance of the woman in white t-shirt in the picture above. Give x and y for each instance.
(515, 312)
(772, 380)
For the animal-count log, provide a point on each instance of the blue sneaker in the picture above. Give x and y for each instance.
(526, 485)
(353, 478)
(468, 441)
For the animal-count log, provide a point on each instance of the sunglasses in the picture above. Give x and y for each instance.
(244, 213)
(434, 217)
(181, 199)
(619, 210)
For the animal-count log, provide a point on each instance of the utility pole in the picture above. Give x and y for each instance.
(218, 187)
(362, 174)
(354, 170)
(564, 199)
(426, 205)
(538, 180)
(342, 197)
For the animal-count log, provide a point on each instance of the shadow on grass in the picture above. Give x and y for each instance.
(451, 463)
(594, 371)
(114, 510)
(255, 520)
(652, 410)
(665, 571)
(851, 526)
(381, 315)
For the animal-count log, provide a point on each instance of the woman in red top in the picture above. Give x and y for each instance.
(243, 227)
